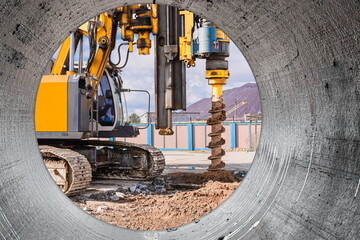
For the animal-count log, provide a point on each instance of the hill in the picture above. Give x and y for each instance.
(231, 97)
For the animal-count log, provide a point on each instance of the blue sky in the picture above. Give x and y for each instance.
(139, 74)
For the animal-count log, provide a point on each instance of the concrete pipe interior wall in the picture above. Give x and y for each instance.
(304, 181)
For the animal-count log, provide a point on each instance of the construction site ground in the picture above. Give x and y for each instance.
(184, 192)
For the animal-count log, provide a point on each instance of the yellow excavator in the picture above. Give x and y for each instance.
(79, 103)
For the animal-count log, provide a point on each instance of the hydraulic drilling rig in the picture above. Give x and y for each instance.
(79, 102)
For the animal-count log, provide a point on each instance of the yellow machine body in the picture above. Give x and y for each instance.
(51, 110)
(54, 104)
(185, 41)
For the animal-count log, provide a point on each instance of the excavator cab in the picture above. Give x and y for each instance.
(109, 102)
(106, 103)
(62, 109)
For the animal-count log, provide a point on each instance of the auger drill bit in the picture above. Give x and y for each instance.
(218, 115)
(216, 74)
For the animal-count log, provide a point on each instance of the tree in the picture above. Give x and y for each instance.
(134, 118)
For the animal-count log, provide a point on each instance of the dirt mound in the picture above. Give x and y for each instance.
(153, 212)
(193, 178)
(169, 201)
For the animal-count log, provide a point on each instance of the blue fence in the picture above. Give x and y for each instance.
(250, 134)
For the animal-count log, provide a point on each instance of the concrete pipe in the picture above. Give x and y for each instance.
(304, 182)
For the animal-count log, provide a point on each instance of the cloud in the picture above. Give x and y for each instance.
(139, 111)
(139, 100)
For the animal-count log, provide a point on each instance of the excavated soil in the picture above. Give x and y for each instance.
(167, 208)
(193, 178)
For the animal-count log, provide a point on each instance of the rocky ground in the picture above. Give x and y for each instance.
(169, 201)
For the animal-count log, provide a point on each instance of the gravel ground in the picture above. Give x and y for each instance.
(167, 202)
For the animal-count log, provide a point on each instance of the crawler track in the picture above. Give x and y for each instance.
(155, 160)
(70, 170)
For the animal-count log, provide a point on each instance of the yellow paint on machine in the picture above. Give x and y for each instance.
(217, 90)
(51, 104)
(62, 57)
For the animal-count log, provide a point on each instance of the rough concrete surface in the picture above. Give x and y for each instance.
(305, 177)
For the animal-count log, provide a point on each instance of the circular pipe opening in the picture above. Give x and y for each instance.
(178, 195)
(304, 180)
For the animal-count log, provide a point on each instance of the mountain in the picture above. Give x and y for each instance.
(232, 97)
